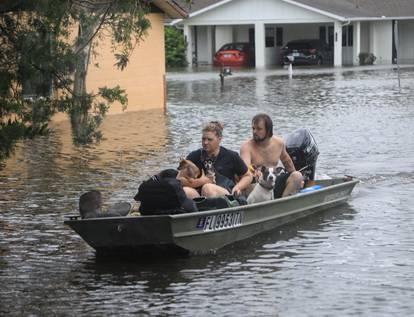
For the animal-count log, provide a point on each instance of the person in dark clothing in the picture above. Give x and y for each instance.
(224, 171)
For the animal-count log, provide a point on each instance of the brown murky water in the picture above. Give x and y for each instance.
(353, 260)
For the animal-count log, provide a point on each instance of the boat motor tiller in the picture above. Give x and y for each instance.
(304, 152)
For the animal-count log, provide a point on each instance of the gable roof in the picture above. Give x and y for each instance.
(341, 9)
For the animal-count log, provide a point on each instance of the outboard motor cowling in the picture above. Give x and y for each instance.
(303, 151)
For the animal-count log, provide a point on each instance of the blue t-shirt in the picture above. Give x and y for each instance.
(228, 163)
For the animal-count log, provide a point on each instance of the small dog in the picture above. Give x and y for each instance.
(263, 190)
(188, 171)
(208, 163)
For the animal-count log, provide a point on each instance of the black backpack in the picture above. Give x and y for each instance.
(163, 195)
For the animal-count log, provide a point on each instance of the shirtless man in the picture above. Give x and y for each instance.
(264, 149)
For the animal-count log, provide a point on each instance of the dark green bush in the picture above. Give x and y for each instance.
(175, 48)
(366, 58)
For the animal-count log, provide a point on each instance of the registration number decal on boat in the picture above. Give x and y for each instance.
(220, 221)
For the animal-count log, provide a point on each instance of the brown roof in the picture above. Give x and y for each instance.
(352, 9)
(196, 5)
(171, 8)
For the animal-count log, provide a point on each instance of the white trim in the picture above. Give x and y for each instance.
(174, 22)
(208, 8)
(251, 22)
(362, 19)
(322, 12)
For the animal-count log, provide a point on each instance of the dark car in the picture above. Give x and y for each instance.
(234, 54)
(308, 52)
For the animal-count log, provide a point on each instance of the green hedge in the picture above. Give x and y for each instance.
(175, 48)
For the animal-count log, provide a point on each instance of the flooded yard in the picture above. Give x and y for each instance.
(356, 259)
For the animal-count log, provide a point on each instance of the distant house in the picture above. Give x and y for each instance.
(348, 26)
(144, 77)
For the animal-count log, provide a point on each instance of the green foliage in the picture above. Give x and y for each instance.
(175, 48)
(114, 94)
(10, 132)
(39, 57)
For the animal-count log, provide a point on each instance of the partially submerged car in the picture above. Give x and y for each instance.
(234, 54)
(306, 52)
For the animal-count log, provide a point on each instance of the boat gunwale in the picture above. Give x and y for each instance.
(75, 218)
(269, 202)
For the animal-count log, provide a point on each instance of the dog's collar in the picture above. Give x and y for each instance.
(264, 185)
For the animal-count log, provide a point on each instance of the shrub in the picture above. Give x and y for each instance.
(175, 48)
(366, 58)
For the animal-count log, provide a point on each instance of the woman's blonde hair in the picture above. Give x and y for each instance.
(214, 126)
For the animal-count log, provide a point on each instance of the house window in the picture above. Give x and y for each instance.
(270, 37)
(279, 36)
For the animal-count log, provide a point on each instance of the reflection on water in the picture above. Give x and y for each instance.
(353, 260)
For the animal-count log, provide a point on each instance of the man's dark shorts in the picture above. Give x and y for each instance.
(280, 185)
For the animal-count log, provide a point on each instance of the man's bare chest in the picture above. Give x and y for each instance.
(265, 156)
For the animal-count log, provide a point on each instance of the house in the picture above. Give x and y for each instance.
(348, 26)
(144, 77)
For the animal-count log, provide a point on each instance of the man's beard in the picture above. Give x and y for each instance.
(257, 139)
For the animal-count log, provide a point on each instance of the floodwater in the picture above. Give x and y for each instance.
(353, 260)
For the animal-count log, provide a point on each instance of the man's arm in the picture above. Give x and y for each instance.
(244, 161)
(245, 153)
(287, 161)
(242, 184)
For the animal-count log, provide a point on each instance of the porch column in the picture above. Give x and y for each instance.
(337, 44)
(209, 44)
(259, 37)
(357, 42)
(189, 39)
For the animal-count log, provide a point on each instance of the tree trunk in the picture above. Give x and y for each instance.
(80, 114)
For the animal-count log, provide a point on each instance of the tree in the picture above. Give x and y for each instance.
(46, 50)
(175, 48)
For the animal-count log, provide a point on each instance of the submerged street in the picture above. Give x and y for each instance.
(356, 259)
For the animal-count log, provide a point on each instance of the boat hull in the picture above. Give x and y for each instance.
(206, 231)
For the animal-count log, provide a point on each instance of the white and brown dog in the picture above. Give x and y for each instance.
(263, 190)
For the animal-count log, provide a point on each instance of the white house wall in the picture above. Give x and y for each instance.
(365, 38)
(248, 11)
(241, 33)
(203, 55)
(406, 43)
(224, 34)
(300, 31)
(381, 40)
(232, 20)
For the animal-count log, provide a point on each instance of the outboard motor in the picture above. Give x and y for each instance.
(304, 152)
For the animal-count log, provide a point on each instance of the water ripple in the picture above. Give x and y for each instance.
(356, 259)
